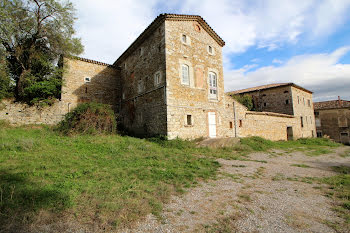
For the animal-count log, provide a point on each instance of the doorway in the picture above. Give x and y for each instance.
(212, 124)
(289, 133)
(344, 138)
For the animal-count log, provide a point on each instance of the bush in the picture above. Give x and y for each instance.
(246, 100)
(89, 118)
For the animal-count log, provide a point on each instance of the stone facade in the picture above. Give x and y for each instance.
(285, 98)
(333, 120)
(170, 82)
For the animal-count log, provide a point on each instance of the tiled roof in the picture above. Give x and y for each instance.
(92, 61)
(332, 104)
(269, 114)
(173, 17)
(268, 86)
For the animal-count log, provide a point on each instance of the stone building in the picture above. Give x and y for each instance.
(170, 82)
(333, 119)
(285, 98)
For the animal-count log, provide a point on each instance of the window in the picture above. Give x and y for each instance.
(189, 120)
(285, 92)
(185, 79)
(85, 89)
(123, 96)
(302, 121)
(263, 95)
(210, 50)
(265, 104)
(87, 79)
(287, 101)
(184, 39)
(298, 100)
(231, 125)
(140, 86)
(157, 78)
(304, 100)
(141, 51)
(213, 84)
(309, 103)
(240, 123)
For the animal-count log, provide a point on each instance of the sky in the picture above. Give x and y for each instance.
(267, 41)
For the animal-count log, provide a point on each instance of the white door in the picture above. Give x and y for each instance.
(212, 124)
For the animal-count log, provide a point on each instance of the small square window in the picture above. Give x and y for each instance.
(189, 119)
(157, 78)
(87, 79)
(210, 50)
(184, 39)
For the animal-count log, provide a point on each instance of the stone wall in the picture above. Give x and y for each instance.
(143, 108)
(277, 100)
(85, 81)
(103, 87)
(23, 114)
(304, 107)
(193, 100)
(335, 123)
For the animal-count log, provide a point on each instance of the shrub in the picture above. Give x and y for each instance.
(246, 100)
(89, 118)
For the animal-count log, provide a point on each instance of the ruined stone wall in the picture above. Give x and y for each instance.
(303, 107)
(193, 99)
(335, 123)
(22, 114)
(143, 109)
(88, 82)
(277, 100)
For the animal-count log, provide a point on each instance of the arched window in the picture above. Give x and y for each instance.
(185, 79)
(213, 85)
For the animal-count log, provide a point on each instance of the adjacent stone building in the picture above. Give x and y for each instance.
(333, 119)
(170, 82)
(288, 99)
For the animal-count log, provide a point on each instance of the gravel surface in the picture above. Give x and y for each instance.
(265, 194)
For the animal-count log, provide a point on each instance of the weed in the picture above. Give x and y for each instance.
(300, 165)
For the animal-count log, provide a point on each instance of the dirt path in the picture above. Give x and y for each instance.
(266, 194)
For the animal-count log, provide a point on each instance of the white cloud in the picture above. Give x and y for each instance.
(108, 27)
(321, 73)
(277, 61)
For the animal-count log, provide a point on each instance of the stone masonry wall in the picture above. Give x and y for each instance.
(103, 87)
(193, 99)
(304, 107)
(23, 114)
(335, 122)
(143, 109)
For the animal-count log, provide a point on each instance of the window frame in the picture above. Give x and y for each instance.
(87, 79)
(213, 79)
(140, 86)
(182, 74)
(159, 81)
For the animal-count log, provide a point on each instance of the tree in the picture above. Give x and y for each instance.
(34, 34)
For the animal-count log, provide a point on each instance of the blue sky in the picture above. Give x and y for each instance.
(267, 41)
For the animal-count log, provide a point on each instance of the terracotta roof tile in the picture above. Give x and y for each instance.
(332, 104)
(92, 61)
(268, 86)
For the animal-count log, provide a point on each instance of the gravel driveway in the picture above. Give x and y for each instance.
(273, 192)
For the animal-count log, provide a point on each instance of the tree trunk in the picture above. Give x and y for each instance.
(20, 85)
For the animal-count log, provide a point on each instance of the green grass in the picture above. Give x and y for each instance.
(311, 146)
(109, 180)
(339, 190)
(112, 178)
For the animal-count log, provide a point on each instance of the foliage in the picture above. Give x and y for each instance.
(5, 81)
(33, 35)
(246, 100)
(89, 118)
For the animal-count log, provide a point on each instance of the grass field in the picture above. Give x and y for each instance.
(108, 180)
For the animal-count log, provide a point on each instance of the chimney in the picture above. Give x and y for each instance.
(339, 102)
